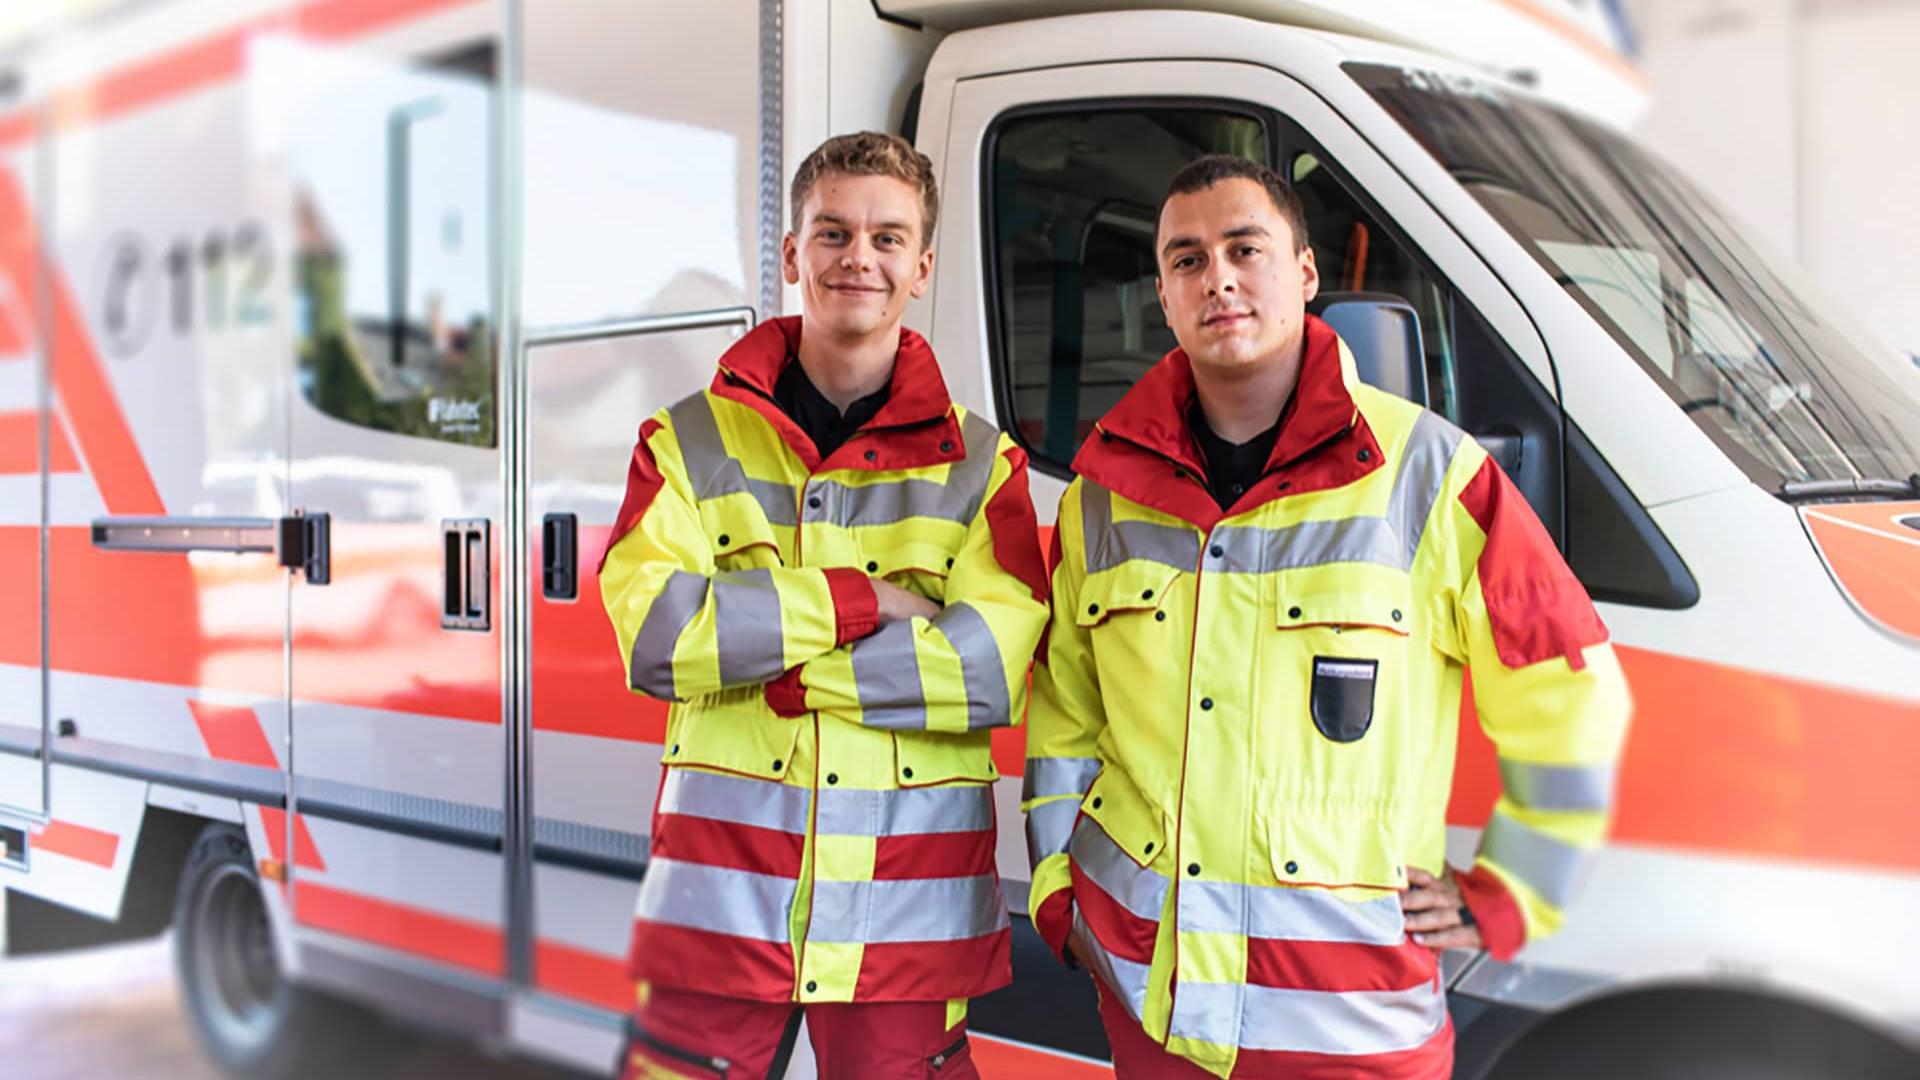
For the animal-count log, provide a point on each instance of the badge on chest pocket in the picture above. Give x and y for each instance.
(1342, 698)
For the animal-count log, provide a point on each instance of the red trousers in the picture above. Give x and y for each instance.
(687, 1035)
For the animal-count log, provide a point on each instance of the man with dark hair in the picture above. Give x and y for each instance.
(834, 573)
(1246, 844)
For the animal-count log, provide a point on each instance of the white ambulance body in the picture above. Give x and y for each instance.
(326, 327)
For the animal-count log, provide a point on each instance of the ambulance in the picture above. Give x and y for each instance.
(326, 327)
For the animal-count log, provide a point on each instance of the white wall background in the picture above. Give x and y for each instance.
(1802, 116)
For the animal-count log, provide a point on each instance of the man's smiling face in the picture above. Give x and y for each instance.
(1232, 285)
(860, 254)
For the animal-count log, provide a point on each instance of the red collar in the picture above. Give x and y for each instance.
(1324, 441)
(914, 429)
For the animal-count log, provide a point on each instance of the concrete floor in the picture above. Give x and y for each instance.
(113, 1012)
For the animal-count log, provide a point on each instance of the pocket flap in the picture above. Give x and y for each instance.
(1339, 846)
(924, 758)
(1133, 586)
(1343, 596)
(1135, 825)
(737, 736)
(911, 556)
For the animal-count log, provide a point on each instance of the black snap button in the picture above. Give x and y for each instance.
(946, 446)
(833, 778)
(1106, 437)
(1293, 613)
(1149, 848)
(872, 566)
(1283, 485)
(1093, 609)
(1159, 616)
(1216, 551)
(676, 748)
(1206, 703)
(949, 564)
(1148, 595)
(725, 539)
(907, 772)
(776, 764)
(814, 502)
(1193, 869)
(1237, 489)
(1292, 867)
(1365, 455)
(1096, 802)
(871, 455)
(812, 986)
(1396, 614)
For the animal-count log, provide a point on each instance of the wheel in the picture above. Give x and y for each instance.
(248, 1018)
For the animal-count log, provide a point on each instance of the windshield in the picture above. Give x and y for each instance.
(1742, 341)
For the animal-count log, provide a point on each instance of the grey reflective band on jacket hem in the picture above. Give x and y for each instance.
(916, 909)
(949, 808)
(746, 627)
(1558, 787)
(981, 669)
(1049, 829)
(650, 665)
(1548, 866)
(886, 676)
(715, 473)
(738, 800)
(1124, 977)
(1286, 913)
(1307, 1021)
(716, 899)
(1139, 890)
(1058, 776)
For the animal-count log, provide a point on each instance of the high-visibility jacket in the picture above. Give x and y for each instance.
(825, 825)
(1243, 723)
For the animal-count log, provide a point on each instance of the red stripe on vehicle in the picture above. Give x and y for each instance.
(583, 976)
(1337, 966)
(725, 843)
(1003, 1059)
(450, 940)
(306, 854)
(233, 733)
(579, 683)
(933, 855)
(77, 842)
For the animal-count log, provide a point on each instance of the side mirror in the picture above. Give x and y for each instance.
(1383, 333)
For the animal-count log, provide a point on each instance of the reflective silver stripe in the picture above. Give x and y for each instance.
(1287, 913)
(1124, 977)
(746, 627)
(957, 499)
(713, 472)
(917, 909)
(1558, 787)
(650, 666)
(765, 804)
(1309, 1021)
(1110, 543)
(717, 899)
(1141, 891)
(1544, 863)
(1424, 459)
(1058, 776)
(1049, 828)
(905, 811)
(886, 675)
(981, 668)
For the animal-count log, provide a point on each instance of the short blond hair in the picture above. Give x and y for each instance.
(870, 153)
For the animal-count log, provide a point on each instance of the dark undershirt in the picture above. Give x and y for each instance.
(1232, 468)
(819, 418)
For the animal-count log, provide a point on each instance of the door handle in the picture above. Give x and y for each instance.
(467, 602)
(559, 557)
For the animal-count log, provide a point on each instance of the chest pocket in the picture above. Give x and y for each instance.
(918, 566)
(1126, 596)
(1346, 628)
(739, 531)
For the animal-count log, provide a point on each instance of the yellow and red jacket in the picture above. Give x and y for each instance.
(825, 827)
(1243, 723)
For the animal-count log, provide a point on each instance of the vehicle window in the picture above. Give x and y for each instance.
(1073, 206)
(391, 184)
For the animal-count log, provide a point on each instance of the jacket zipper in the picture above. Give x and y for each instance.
(712, 1064)
(940, 1059)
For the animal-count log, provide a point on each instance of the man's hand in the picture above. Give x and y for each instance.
(1437, 914)
(897, 604)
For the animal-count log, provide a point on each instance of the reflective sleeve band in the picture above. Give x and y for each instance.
(1050, 776)
(1558, 787)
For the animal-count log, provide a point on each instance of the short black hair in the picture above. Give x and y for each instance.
(1204, 172)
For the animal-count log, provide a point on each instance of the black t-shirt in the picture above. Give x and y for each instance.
(1232, 468)
(819, 418)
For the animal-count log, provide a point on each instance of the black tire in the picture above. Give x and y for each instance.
(249, 1019)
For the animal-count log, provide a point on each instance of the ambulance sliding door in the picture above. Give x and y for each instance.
(23, 471)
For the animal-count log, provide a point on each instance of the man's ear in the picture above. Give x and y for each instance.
(790, 259)
(922, 275)
(1309, 276)
(1160, 290)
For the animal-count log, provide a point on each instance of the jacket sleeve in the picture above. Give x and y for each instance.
(1063, 733)
(686, 628)
(1549, 694)
(965, 668)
